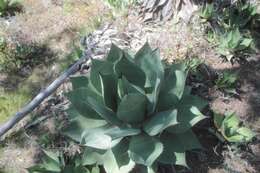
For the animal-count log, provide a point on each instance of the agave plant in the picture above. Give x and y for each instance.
(54, 162)
(239, 14)
(8, 4)
(232, 129)
(207, 12)
(133, 110)
(227, 81)
(232, 43)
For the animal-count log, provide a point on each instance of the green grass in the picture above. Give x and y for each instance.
(10, 103)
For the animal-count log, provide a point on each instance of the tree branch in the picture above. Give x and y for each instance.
(42, 96)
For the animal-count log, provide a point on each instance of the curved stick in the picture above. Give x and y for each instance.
(41, 96)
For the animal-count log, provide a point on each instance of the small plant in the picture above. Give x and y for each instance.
(6, 5)
(238, 15)
(227, 82)
(232, 129)
(207, 12)
(232, 43)
(134, 111)
(193, 64)
(54, 162)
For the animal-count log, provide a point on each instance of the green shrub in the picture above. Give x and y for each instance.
(133, 110)
(7, 5)
(232, 129)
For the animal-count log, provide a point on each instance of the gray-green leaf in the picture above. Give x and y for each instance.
(145, 149)
(160, 121)
(132, 108)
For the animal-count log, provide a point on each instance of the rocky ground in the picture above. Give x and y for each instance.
(177, 41)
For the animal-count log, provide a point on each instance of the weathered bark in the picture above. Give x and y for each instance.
(163, 10)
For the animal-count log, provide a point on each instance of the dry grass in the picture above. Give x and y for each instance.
(42, 21)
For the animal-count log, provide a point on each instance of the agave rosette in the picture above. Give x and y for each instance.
(133, 110)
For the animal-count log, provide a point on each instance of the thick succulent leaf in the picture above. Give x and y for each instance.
(79, 82)
(175, 146)
(146, 49)
(231, 121)
(145, 149)
(52, 155)
(181, 142)
(160, 121)
(175, 158)
(105, 137)
(92, 156)
(51, 161)
(192, 100)
(174, 83)
(120, 152)
(131, 88)
(129, 54)
(180, 159)
(96, 138)
(99, 67)
(167, 101)
(78, 124)
(246, 132)
(109, 90)
(246, 42)
(188, 113)
(235, 138)
(187, 117)
(120, 132)
(95, 169)
(111, 166)
(153, 97)
(152, 66)
(78, 98)
(187, 91)
(72, 169)
(218, 119)
(104, 112)
(149, 169)
(125, 67)
(132, 108)
(39, 168)
(232, 130)
(124, 87)
(114, 54)
(121, 92)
